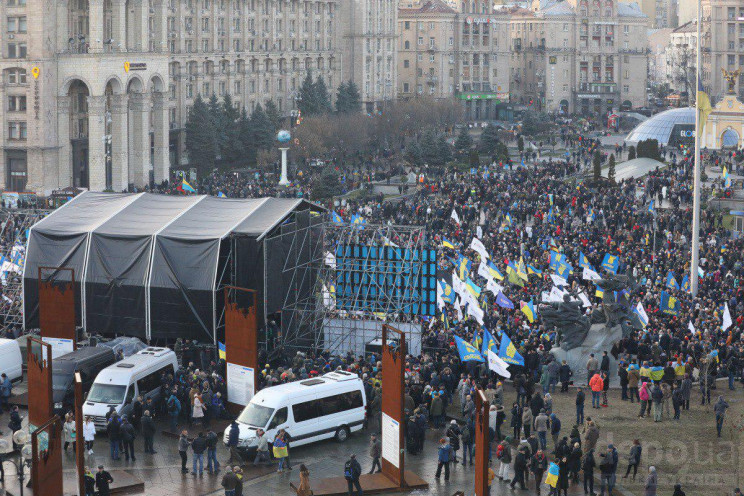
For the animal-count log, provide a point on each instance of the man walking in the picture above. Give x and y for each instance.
(592, 365)
(262, 448)
(352, 472)
(445, 454)
(375, 452)
(183, 446)
(580, 399)
(720, 409)
(233, 438)
(127, 439)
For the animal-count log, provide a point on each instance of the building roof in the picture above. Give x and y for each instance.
(659, 127)
(688, 27)
(558, 9)
(631, 9)
(430, 7)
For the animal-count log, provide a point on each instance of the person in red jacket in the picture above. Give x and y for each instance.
(597, 385)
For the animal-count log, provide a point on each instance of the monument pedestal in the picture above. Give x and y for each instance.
(284, 181)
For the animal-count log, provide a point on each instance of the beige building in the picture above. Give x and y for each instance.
(579, 57)
(426, 50)
(368, 38)
(660, 14)
(686, 11)
(658, 64)
(681, 59)
(723, 44)
(97, 92)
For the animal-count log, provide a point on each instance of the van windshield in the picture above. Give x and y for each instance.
(107, 393)
(60, 382)
(255, 415)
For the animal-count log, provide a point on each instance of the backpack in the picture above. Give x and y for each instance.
(499, 451)
(348, 473)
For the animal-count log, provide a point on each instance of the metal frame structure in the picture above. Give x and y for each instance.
(313, 322)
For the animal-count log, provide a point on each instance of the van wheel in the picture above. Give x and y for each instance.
(342, 434)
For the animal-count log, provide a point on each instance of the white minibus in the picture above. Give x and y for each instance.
(119, 384)
(325, 407)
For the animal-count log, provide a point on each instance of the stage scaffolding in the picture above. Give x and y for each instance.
(314, 317)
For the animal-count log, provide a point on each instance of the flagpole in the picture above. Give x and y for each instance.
(696, 180)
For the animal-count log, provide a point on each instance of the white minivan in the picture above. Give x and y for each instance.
(329, 406)
(11, 361)
(119, 384)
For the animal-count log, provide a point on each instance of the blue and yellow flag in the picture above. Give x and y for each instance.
(337, 219)
(656, 373)
(529, 310)
(651, 207)
(599, 293)
(507, 222)
(671, 281)
(488, 342)
(463, 266)
(221, 350)
(447, 243)
(521, 270)
(472, 288)
(508, 352)
(556, 258)
(564, 270)
(703, 105)
(686, 283)
(468, 353)
(494, 271)
(220, 194)
(550, 197)
(532, 270)
(446, 292)
(669, 304)
(513, 277)
(503, 301)
(551, 478)
(611, 263)
(358, 220)
(584, 262)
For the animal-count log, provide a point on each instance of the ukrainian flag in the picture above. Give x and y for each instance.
(336, 218)
(507, 220)
(551, 478)
(528, 309)
(533, 270)
(657, 373)
(686, 283)
(463, 266)
(221, 350)
(671, 281)
(703, 105)
(599, 293)
(611, 263)
(521, 271)
(494, 271)
(447, 243)
(473, 288)
(584, 262)
(185, 186)
(669, 304)
(221, 195)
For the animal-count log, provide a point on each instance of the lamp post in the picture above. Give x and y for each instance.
(283, 138)
(20, 456)
(695, 248)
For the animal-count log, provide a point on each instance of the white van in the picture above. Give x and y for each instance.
(11, 361)
(330, 406)
(119, 384)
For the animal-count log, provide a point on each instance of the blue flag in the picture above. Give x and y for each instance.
(611, 263)
(221, 195)
(488, 342)
(671, 281)
(686, 283)
(508, 352)
(503, 301)
(336, 218)
(468, 353)
(669, 304)
(584, 262)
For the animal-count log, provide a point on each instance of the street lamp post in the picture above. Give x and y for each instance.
(20, 456)
(696, 173)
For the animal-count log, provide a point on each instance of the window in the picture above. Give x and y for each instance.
(16, 50)
(16, 3)
(407, 45)
(405, 88)
(16, 76)
(17, 103)
(420, 40)
(407, 25)
(406, 64)
(280, 417)
(17, 130)
(305, 411)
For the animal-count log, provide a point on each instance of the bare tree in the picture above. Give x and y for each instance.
(681, 64)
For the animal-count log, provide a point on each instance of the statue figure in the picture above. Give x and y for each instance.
(731, 77)
(567, 317)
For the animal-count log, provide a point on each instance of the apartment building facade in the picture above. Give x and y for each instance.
(723, 45)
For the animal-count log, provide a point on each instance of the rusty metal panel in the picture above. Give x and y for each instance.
(481, 443)
(46, 461)
(393, 398)
(57, 304)
(241, 331)
(40, 402)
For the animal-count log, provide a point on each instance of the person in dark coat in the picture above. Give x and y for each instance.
(562, 485)
(113, 429)
(565, 373)
(453, 433)
(574, 462)
(90, 482)
(538, 466)
(148, 432)
(127, 439)
(103, 482)
(536, 404)
(516, 419)
(520, 466)
(587, 465)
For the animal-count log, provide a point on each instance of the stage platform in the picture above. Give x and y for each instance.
(371, 484)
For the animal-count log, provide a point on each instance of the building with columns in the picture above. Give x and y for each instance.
(96, 92)
(723, 45)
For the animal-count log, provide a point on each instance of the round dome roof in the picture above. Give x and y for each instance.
(659, 126)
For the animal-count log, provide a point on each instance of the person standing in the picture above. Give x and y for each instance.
(213, 466)
(197, 409)
(542, 424)
(592, 365)
(183, 446)
(280, 451)
(606, 471)
(148, 432)
(720, 410)
(520, 465)
(503, 455)
(527, 422)
(597, 385)
(113, 429)
(622, 373)
(352, 472)
(467, 437)
(230, 482)
(587, 465)
(644, 396)
(198, 447)
(69, 430)
(127, 438)
(445, 454)
(89, 434)
(580, 399)
(651, 482)
(437, 410)
(634, 458)
(6, 389)
(555, 428)
(634, 376)
(103, 482)
(90, 482)
(686, 388)
(173, 406)
(375, 452)
(678, 400)
(656, 397)
(304, 488)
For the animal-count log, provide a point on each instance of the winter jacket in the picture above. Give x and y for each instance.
(596, 383)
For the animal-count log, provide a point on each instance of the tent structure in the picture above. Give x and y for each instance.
(152, 266)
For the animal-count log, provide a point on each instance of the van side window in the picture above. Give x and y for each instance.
(279, 418)
(153, 380)
(305, 411)
(341, 402)
(130, 395)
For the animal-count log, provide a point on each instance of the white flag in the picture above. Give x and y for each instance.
(584, 300)
(496, 364)
(476, 312)
(691, 327)
(330, 259)
(455, 217)
(458, 309)
(558, 280)
(494, 287)
(590, 275)
(642, 315)
(479, 231)
(480, 248)
(726, 317)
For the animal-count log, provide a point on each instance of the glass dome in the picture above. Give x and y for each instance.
(659, 126)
